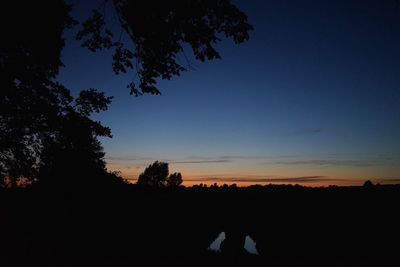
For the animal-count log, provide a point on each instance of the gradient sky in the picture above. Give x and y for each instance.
(312, 98)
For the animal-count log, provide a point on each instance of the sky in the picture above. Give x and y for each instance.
(313, 98)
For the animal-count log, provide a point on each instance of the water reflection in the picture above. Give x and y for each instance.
(216, 244)
(249, 244)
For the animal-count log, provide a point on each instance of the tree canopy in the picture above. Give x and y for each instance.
(38, 115)
(159, 32)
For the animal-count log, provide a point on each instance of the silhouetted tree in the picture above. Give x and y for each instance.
(368, 183)
(174, 180)
(36, 112)
(73, 152)
(156, 175)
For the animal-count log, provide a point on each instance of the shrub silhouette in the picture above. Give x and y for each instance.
(156, 175)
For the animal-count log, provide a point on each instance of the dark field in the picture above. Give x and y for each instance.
(123, 225)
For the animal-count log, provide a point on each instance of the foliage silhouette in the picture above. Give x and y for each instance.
(159, 31)
(37, 113)
(156, 175)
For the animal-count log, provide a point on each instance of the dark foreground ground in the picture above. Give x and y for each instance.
(129, 226)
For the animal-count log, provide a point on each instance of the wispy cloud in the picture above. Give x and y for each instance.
(328, 162)
(301, 179)
(291, 159)
(389, 181)
(191, 159)
(199, 158)
(233, 157)
(199, 161)
(111, 158)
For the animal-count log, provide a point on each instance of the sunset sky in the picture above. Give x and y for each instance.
(312, 98)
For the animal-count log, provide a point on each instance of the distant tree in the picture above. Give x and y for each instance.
(368, 183)
(174, 180)
(156, 175)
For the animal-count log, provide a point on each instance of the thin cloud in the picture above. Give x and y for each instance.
(122, 161)
(239, 157)
(198, 158)
(200, 161)
(232, 157)
(111, 158)
(389, 180)
(301, 179)
(328, 162)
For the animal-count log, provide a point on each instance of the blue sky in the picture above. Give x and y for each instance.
(313, 96)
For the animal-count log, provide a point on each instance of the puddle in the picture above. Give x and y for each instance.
(249, 244)
(216, 244)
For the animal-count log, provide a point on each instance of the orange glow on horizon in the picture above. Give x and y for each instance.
(316, 177)
(243, 183)
(313, 171)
